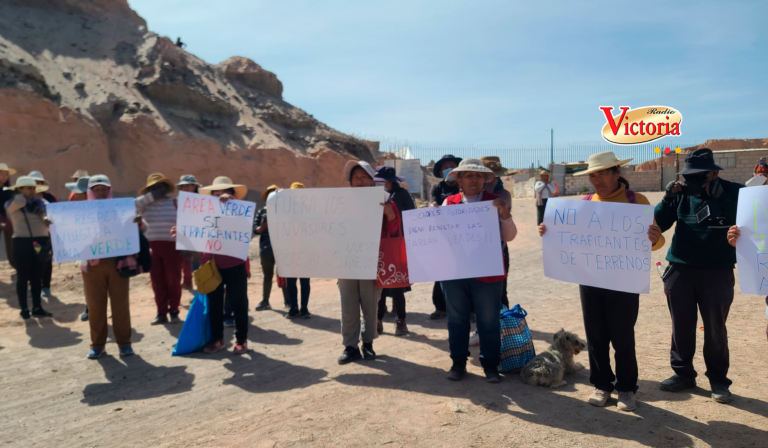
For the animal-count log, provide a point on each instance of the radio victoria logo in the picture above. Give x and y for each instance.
(641, 125)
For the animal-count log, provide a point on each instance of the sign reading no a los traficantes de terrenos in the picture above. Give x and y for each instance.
(600, 244)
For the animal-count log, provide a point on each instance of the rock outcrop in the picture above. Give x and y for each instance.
(83, 84)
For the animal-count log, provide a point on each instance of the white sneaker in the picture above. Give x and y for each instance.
(627, 401)
(599, 398)
(474, 340)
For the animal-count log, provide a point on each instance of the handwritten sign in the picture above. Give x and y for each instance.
(600, 244)
(90, 230)
(453, 242)
(205, 224)
(326, 232)
(752, 245)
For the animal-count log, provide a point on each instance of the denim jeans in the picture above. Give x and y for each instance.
(462, 297)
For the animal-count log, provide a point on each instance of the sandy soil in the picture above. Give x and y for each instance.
(289, 390)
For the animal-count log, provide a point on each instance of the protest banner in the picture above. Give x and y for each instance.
(453, 242)
(326, 232)
(205, 224)
(751, 247)
(90, 230)
(600, 244)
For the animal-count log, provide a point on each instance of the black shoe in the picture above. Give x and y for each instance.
(159, 319)
(305, 313)
(263, 305)
(438, 315)
(458, 370)
(677, 383)
(368, 353)
(175, 318)
(350, 354)
(492, 375)
(720, 393)
(24, 314)
(292, 314)
(40, 312)
(84, 316)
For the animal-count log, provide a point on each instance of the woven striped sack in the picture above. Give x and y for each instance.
(516, 342)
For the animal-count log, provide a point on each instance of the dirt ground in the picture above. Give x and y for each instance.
(289, 390)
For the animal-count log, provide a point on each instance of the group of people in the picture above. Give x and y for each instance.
(699, 276)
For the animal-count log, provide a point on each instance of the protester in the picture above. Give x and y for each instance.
(234, 277)
(49, 198)
(103, 283)
(266, 255)
(6, 194)
(481, 295)
(496, 186)
(403, 201)
(79, 174)
(610, 316)
(30, 242)
(761, 167)
(159, 211)
(441, 190)
(292, 290)
(544, 190)
(700, 272)
(79, 192)
(189, 183)
(357, 295)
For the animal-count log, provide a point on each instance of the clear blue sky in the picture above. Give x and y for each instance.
(493, 72)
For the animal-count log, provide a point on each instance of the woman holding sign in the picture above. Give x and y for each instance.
(610, 316)
(481, 295)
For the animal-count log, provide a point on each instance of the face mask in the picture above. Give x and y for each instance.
(762, 163)
(694, 184)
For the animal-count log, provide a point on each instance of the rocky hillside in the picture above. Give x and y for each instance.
(84, 84)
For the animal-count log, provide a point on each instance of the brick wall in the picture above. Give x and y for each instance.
(745, 163)
(638, 181)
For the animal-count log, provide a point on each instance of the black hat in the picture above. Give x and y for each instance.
(700, 161)
(387, 174)
(438, 169)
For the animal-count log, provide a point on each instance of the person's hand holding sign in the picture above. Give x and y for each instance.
(502, 206)
(654, 233)
(733, 234)
(389, 212)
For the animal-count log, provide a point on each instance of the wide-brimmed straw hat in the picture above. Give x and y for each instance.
(601, 161)
(158, 178)
(269, 189)
(79, 174)
(296, 185)
(188, 179)
(700, 161)
(493, 163)
(81, 186)
(352, 164)
(437, 170)
(4, 167)
(473, 165)
(543, 172)
(37, 175)
(26, 181)
(225, 183)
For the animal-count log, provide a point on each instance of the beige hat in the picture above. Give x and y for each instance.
(157, 178)
(225, 183)
(26, 181)
(493, 163)
(474, 166)
(4, 167)
(80, 174)
(602, 161)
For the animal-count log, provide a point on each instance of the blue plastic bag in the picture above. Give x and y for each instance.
(516, 341)
(196, 332)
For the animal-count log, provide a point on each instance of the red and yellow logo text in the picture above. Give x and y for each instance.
(641, 125)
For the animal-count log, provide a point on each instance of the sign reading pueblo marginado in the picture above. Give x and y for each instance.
(641, 125)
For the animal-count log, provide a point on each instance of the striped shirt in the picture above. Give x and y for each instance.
(160, 216)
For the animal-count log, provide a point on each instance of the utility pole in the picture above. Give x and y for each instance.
(552, 145)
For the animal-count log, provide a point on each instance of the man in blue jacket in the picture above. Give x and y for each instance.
(700, 272)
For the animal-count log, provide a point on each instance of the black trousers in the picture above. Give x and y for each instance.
(438, 299)
(609, 319)
(504, 298)
(711, 290)
(540, 212)
(47, 274)
(293, 292)
(29, 270)
(236, 282)
(268, 269)
(398, 302)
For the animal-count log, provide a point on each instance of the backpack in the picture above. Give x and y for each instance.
(630, 195)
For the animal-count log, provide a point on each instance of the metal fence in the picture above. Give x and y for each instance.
(525, 156)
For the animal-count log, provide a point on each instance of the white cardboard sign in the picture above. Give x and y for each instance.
(326, 232)
(205, 224)
(90, 230)
(600, 244)
(752, 247)
(453, 242)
